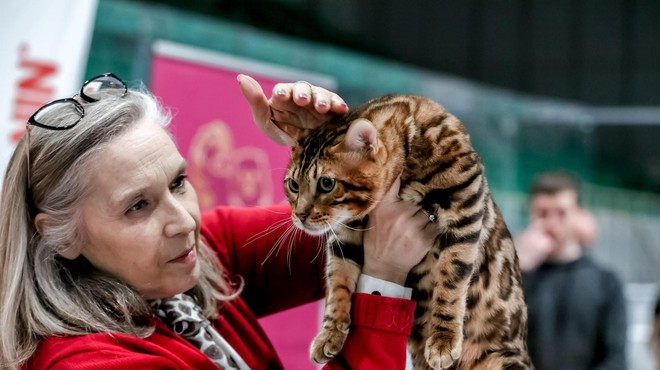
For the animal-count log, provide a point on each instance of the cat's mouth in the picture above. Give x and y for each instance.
(322, 229)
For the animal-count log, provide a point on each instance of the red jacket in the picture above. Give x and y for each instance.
(377, 339)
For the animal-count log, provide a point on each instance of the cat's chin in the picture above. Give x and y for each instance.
(313, 230)
(317, 232)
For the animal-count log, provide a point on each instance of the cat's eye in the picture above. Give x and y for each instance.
(326, 184)
(293, 186)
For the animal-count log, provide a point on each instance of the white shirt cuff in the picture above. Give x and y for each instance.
(371, 285)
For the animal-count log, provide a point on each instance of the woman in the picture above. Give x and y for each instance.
(101, 235)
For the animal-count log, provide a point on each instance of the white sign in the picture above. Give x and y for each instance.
(44, 47)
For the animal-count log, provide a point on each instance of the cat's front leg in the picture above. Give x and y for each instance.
(452, 275)
(341, 281)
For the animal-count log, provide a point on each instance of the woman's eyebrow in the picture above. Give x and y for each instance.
(182, 167)
(128, 194)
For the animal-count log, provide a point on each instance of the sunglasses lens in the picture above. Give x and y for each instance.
(59, 114)
(103, 85)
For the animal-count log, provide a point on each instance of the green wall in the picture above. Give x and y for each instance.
(515, 134)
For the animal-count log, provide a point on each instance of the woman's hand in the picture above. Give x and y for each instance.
(293, 109)
(398, 236)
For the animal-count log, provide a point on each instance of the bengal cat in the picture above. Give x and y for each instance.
(470, 308)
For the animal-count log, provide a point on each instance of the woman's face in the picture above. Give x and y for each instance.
(142, 218)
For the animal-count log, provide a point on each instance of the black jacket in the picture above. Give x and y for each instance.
(577, 317)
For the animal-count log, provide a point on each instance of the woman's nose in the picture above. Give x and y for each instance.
(180, 220)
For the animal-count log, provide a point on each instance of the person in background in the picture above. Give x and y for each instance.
(577, 317)
(654, 340)
(107, 263)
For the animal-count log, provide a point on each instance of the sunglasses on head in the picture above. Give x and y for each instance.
(91, 91)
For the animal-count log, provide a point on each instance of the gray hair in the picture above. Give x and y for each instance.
(43, 294)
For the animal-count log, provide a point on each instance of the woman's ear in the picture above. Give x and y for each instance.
(68, 252)
(42, 222)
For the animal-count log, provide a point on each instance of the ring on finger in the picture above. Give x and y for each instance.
(311, 87)
(305, 95)
(432, 217)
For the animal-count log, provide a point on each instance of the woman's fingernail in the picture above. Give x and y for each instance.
(280, 91)
(303, 96)
(322, 103)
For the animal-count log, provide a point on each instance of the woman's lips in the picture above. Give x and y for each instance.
(186, 257)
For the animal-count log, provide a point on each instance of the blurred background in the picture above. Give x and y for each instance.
(540, 85)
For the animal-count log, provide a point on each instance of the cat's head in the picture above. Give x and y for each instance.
(336, 175)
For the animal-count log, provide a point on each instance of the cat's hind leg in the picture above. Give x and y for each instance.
(444, 344)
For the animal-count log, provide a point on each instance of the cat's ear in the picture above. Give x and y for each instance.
(362, 136)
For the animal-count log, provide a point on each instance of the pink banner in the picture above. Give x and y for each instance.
(231, 162)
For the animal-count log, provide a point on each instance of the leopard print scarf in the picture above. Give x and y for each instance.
(184, 317)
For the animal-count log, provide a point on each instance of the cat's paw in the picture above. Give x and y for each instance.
(441, 353)
(327, 345)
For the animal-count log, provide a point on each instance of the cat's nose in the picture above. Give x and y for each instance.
(302, 216)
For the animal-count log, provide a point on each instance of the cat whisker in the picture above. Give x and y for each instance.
(323, 242)
(276, 225)
(270, 210)
(276, 246)
(288, 253)
(278, 243)
(338, 241)
(291, 246)
(352, 228)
